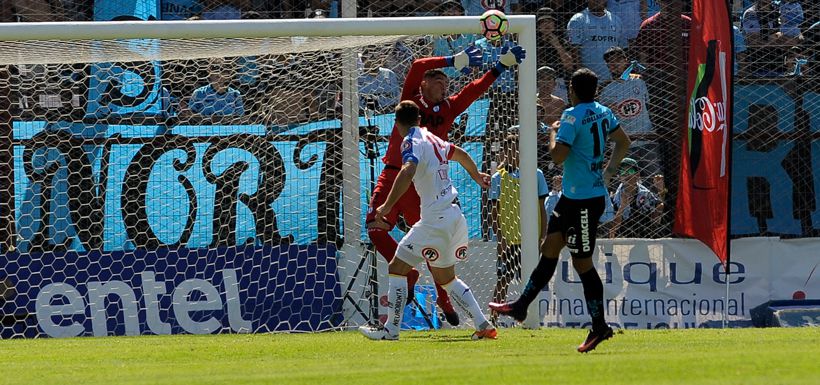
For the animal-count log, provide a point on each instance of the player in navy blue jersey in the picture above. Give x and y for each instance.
(578, 141)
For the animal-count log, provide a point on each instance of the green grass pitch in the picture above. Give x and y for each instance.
(547, 356)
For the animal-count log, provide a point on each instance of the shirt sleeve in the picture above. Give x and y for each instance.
(416, 74)
(543, 189)
(575, 30)
(566, 132)
(614, 122)
(410, 152)
(495, 187)
(472, 91)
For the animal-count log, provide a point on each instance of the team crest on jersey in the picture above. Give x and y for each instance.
(406, 145)
(430, 254)
(436, 108)
(629, 108)
(461, 253)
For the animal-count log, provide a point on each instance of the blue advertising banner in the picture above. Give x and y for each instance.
(169, 291)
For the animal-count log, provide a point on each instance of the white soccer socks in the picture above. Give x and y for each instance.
(396, 299)
(462, 296)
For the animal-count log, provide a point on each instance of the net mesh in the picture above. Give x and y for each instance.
(162, 186)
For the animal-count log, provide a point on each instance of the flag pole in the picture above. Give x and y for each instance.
(730, 128)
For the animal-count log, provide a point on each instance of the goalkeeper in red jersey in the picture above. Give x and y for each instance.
(428, 86)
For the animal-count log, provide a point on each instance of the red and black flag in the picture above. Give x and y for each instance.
(703, 197)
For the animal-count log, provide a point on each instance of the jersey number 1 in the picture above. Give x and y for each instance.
(599, 136)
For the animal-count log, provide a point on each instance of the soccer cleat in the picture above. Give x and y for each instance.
(512, 309)
(489, 333)
(412, 278)
(594, 338)
(377, 333)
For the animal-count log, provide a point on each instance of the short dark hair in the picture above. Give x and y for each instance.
(612, 51)
(585, 84)
(407, 113)
(434, 73)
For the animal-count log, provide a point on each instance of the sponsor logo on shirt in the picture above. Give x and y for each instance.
(568, 118)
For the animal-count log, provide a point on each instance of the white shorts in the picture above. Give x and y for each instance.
(440, 239)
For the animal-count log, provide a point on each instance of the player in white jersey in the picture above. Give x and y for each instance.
(440, 237)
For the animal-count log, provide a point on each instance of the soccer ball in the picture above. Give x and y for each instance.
(494, 24)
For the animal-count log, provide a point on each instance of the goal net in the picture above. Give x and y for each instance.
(202, 177)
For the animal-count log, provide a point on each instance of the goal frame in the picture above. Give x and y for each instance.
(522, 25)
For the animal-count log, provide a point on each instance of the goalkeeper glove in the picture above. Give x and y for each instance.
(470, 57)
(510, 57)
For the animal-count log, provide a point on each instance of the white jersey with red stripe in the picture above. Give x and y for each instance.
(432, 180)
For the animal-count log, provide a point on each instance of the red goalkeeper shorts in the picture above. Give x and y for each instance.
(408, 206)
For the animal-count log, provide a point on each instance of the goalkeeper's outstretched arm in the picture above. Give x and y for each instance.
(470, 57)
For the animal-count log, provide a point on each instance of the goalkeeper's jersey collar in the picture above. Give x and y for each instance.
(427, 105)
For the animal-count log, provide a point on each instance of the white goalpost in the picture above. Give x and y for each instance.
(140, 208)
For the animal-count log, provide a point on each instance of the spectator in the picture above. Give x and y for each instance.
(555, 193)
(626, 95)
(663, 47)
(452, 44)
(180, 9)
(328, 8)
(36, 10)
(526, 7)
(740, 51)
(766, 43)
(591, 32)
(553, 105)
(478, 7)
(217, 98)
(377, 85)
(564, 9)
(450, 8)
(552, 47)
(631, 13)
(791, 16)
(795, 63)
(656, 44)
(638, 209)
(399, 58)
(503, 198)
